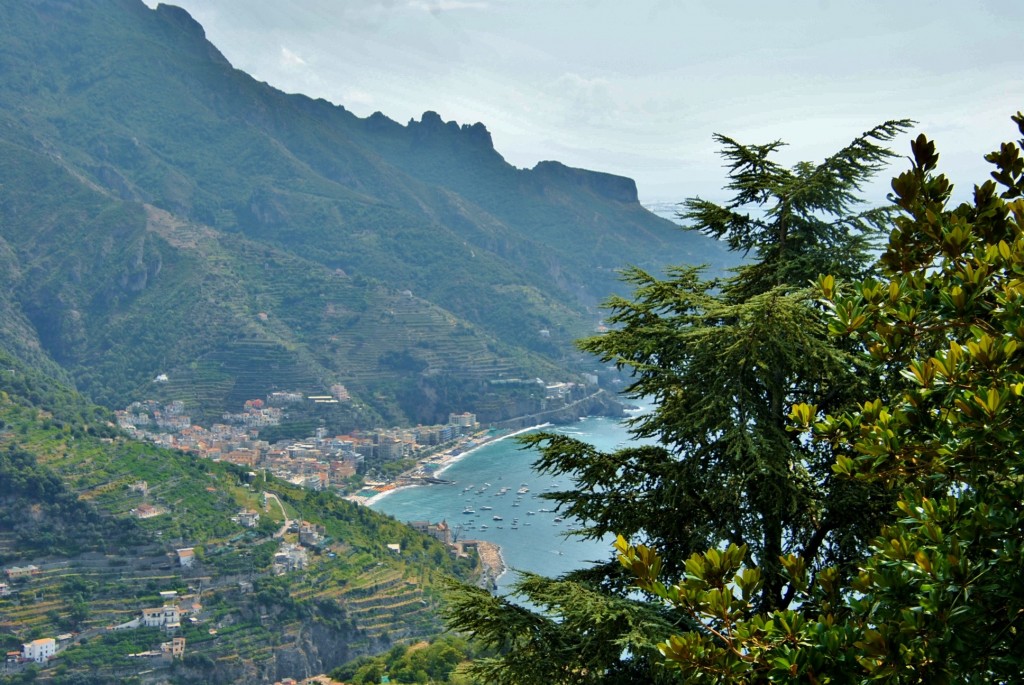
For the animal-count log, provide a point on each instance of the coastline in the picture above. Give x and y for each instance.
(492, 561)
(452, 459)
(367, 501)
(443, 460)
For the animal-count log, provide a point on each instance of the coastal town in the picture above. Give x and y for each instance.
(318, 462)
(321, 462)
(340, 463)
(337, 463)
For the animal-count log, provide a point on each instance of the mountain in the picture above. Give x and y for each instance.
(171, 228)
(163, 214)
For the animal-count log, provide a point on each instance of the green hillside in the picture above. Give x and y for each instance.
(70, 491)
(164, 213)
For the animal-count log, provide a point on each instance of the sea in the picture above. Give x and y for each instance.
(496, 497)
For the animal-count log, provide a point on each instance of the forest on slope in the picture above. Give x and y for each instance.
(164, 213)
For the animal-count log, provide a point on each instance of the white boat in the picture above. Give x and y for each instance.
(496, 518)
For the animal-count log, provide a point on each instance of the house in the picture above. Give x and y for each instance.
(310, 534)
(175, 648)
(167, 617)
(172, 617)
(5, 590)
(145, 511)
(16, 572)
(153, 618)
(39, 650)
(439, 531)
(190, 605)
(249, 518)
(290, 558)
(186, 557)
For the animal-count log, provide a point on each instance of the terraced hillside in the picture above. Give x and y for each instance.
(162, 213)
(95, 521)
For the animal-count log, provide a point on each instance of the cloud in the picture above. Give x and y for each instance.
(437, 6)
(290, 60)
(586, 100)
(355, 96)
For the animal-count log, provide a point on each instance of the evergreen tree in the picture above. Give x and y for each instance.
(723, 360)
(940, 598)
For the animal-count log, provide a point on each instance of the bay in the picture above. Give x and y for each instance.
(530, 538)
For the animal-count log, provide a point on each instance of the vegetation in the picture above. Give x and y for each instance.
(438, 661)
(724, 361)
(935, 597)
(67, 492)
(165, 214)
(937, 600)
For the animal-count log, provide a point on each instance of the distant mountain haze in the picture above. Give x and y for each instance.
(164, 213)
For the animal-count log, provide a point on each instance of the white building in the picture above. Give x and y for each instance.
(167, 617)
(39, 650)
(186, 557)
(463, 420)
(249, 518)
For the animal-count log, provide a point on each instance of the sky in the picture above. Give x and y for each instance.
(638, 87)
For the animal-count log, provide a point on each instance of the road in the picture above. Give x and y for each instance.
(284, 515)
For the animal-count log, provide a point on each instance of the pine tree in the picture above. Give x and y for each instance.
(939, 598)
(723, 360)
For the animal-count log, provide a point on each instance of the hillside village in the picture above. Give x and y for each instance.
(320, 461)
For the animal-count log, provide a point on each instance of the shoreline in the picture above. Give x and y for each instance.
(453, 459)
(492, 562)
(446, 460)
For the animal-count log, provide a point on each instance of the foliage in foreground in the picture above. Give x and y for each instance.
(723, 360)
(436, 662)
(936, 597)
(940, 598)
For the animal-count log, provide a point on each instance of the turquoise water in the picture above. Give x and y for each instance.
(533, 542)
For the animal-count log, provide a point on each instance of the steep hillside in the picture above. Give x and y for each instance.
(162, 212)
(120, 292)
(99, 518)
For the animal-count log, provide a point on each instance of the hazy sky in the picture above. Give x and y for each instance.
(637, 87)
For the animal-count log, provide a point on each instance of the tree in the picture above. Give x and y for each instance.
(940, 597)
(723, 361)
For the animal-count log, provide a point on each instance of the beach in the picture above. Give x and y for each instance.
(443, 461)
(497, 496)
(492, 561)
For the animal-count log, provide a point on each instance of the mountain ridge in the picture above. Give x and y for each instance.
(137, 106)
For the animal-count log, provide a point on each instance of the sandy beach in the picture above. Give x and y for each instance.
(449, 459)
(492, 560)
(443, 460)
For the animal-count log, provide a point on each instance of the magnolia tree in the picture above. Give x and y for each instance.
(939, 596)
